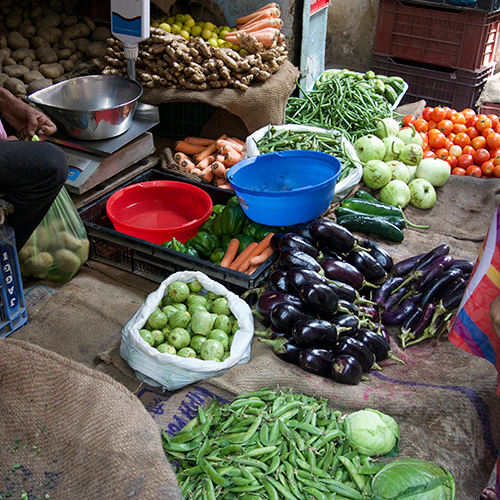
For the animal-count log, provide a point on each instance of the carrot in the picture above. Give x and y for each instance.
(206, 162)
(231, 158)
(219, 170)
(189, 149)
(238, 141)
(207, 174)
(178, 157)
(270, 6)
(269, 22)
(266, 36)
(264, 243)
(261, 14)
(245, 254)
(231, 251)
(209, 150)
(200, 141)
(252, 269)
(187, 165)
(196, 171)
(221, 182)
(259, 259)
(220, 158)
(233, 145)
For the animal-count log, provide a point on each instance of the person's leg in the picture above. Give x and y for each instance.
(31, 176)
(488, 493)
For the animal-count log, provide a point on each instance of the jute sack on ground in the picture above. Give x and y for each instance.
(70, 432)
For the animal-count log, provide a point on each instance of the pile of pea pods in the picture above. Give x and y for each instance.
(269, 444)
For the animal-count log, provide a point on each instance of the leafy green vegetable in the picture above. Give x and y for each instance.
(413, 479)
(372, 432)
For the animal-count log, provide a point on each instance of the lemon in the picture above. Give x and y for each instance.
(189, 22)
(175, 29)
(171, 20)
(206, 34)
(180, 18)
(213, 42)
(196, 30)
(185, 34)
(187, 28)
(214, 35)
(226, 45)
(220, 42)
(223, 33)
(216, 30)
(208, 26)
(166, 27)
(155, 24)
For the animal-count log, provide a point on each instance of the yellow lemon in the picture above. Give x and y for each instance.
(166, 27)
(206, 34)
(171, 20)
(189, 22)
(185, 34)
(213, 42)
(196, 30)
(180, 18)
(208, 26)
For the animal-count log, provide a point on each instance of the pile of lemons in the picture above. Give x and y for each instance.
(186, 26)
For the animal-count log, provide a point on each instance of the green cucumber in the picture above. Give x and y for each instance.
(365, 195)
(371, 207)
(399, 222)
(370, 224)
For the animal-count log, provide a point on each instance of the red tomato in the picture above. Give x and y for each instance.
(465, 161)
(474, 171)
(427, 113)
(456, 151)
(458, 171)
(421, 125)
(487, 131)
(408, 119)
(483, 122)
(438, 114)
(493, 140)
(487, 168)
(472, 132)
(495, 120)
(425, 139)
(480, 156)
(478, 142)
(429, 154)
(471, 121)
(446, 126)
(459, 127)
(458, 118)
(436, 138)
(452, 160)
(461, 140)
(441, 153)
(468, 150)
(496, 171)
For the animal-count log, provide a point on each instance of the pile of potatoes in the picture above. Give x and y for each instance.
(42, 44)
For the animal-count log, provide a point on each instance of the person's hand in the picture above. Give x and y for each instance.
(495, 315)
(26, 119)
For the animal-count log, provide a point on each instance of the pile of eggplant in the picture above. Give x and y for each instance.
(329, 302)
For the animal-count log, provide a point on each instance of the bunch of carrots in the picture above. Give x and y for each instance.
(251, 258)
(264, 25)
(210, 159)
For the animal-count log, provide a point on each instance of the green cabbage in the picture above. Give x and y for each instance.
(413, 479)
(372, 432)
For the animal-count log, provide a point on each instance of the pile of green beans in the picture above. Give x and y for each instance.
(343, 102)
(272, 445)
(286, 139)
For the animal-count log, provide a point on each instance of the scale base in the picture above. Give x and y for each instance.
(88, 170)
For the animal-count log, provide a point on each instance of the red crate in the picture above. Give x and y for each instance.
(442, 37)
(458, 89)
(490, 108)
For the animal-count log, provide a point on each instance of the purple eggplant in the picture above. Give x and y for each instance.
(368, 266)
(368, 312)
(339, 270)
(377, 344)
(452, 301)
(349, 307)
(346, 369)
(285, 349)
(396, 317)
(291, 257)
(275, 240)
(466, 266)
(355, 348)
(314, 332)
(394, 299)
(277, 280)
(445, 260)
(425, 279)
(302, 229)
(297, 276)
(380, 294)
(416, 331)
(403, 267)
(332, 236)
(432, 255)
(319, 297)
(284, 315)
(268, 300)
(380, 254)
(317, 361)
(292, 240)
(346, 324)
(411, 320)
(435, 289)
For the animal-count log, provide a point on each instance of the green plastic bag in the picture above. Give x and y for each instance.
(59, 245)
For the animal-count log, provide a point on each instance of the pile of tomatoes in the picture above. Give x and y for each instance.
(468, 141)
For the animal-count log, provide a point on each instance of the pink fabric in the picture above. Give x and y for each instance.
(3, 134)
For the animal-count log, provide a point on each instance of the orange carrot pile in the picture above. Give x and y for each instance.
(210, 159)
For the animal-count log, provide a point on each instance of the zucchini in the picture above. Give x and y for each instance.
(371, 224)
(390, 94)
(398, 221)
(365, 195)
(371, 207)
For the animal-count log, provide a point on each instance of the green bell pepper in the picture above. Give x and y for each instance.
(218, 209)
(208, 224)
(251, 228)
(264, 231)
(233, 217)
(217, 225)
(189, 250)
(244, 241)
(224, 241)
(204, 243)
(217, 255)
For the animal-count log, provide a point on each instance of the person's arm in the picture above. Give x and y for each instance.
(495, 315)
(25, 119)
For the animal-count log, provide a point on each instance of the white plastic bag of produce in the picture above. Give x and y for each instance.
(169, 370)
(343, 186)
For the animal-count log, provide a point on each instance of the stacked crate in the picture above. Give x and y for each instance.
(445, 52)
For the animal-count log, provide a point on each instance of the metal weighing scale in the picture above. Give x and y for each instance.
(93, 162)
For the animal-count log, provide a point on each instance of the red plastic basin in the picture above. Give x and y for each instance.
(157, 211)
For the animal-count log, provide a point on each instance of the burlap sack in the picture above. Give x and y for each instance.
(70, 432)
(259, 105)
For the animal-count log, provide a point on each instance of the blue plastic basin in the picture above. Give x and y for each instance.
(285, 188)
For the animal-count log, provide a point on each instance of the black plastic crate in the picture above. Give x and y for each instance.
(156, 262)
(458, 89)
(182, 119)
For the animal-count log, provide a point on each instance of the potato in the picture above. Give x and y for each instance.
(31, 76)
(28, 62)
(50, 19)
(79, 30)
(101, 34)
(66, 261)
(66, 43)
(3, 41)
(39, 265)
(16, 86)
(68, 65)
(17, 41)
(9, 61)
(83, 251)
(17, 71)
(38, 41)
(82, 44)
(20, 54)
(96, 49)
(50, 34)
(52, 70)
(63, 54)
(27, 29)
(39, 84)
(46, 55)
(77, 56)
(90, 23)
(36, 13)
(13, 20)
(69, 21)
(4, 53)
(61, 78)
